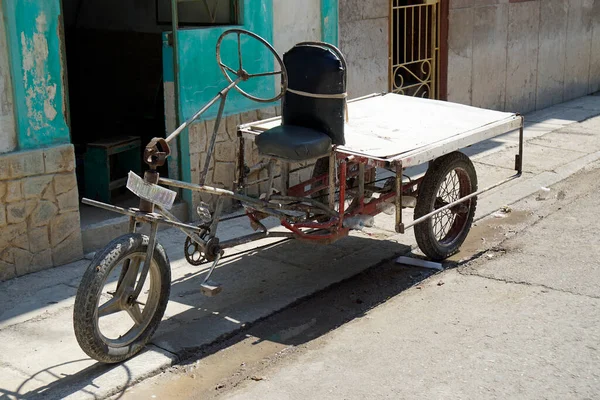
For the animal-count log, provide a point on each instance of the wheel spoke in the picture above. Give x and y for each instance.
(240, 50)
(265, 74)
(129, 278)
(135, 313)
(110, 307)
(228, 68)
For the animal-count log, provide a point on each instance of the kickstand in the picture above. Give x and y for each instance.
(209, 288)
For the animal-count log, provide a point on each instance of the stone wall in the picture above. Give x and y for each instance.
(364, 40)
(522, 56)
(39, 210)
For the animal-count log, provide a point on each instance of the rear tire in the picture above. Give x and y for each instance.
(449, 178)
(130, 251)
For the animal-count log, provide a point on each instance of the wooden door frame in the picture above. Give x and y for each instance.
(444, 27)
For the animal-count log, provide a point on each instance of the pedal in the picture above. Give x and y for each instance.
(210, 289)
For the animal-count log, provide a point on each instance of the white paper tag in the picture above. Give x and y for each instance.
(150, 192)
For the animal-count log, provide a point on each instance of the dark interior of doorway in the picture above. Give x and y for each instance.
(114, 66)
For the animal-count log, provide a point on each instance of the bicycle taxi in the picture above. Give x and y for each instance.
(349, 141)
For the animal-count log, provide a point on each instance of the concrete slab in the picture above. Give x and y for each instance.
(47, 349)
(102, 382)
(591, 124)
(570, 140)
(46, 301)
(412, 332)
(44, 292)
(552, 261)
(585, 103)
(15, 384)
(531, 130)
(54, 365)
(536, 158)
(256, 287)
(535, 129)
(559, 115)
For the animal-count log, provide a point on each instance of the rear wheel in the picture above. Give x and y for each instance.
(109, 325)
(448, 179)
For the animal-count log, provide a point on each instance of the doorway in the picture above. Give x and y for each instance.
(115, 85)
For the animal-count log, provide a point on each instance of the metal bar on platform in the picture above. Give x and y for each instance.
(398, 198)
(192, 234)
(202, 110)
(109, 207)
(254, 236)
(147, 217)
(257, 204)
(519, 157)
(312, 202)
(461, 200)
(213, 139)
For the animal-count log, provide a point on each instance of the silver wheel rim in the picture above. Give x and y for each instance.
(113, 311)
(447, 225)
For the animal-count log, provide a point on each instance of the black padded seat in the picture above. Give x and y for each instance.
(294, 143)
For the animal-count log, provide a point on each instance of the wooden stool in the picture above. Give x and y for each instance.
(107, 163)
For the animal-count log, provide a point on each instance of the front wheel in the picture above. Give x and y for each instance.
(448, 179)
(111, 326)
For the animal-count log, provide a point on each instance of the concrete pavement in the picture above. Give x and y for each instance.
(519, 322)
(40, 357)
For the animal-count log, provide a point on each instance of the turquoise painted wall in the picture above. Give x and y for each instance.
(200, 78)
(330, 21)
(34, 30)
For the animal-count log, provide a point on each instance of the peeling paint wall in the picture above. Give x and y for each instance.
(36, 52)
(8, 136)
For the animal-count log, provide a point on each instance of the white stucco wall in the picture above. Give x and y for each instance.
(8, 138)
(523, 56)
(294, 22)
(364, 41)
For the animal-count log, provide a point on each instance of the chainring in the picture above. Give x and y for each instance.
(192, 251)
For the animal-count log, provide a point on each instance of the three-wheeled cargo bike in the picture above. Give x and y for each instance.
(350, 143)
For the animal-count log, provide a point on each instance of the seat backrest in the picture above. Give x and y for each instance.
(318, 69)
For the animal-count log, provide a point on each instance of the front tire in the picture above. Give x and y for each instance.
(448, 179)
(103, 310)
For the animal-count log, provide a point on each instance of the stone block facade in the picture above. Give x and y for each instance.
(224, 164)
(39, 210)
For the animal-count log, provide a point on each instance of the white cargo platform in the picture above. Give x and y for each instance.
(395, 128)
